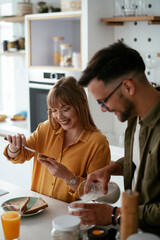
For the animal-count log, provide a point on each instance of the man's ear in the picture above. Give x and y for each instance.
(128, 87)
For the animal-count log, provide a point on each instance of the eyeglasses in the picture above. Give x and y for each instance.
(102, 103)
(62, 112)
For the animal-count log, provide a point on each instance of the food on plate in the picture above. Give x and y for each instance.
(18, 204)
(40, 204)
(18, 118)
(2, 117)
(23, 205)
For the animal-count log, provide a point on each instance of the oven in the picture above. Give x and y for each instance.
(40, 82)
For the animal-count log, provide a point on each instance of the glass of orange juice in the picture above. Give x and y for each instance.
(10, 218)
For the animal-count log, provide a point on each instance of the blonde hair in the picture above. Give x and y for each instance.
(68, 91)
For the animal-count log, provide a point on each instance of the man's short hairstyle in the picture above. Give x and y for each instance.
(111, 63)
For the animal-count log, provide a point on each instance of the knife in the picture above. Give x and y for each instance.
(30, 149)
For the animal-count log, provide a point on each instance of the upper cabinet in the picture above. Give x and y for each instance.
(42, 28)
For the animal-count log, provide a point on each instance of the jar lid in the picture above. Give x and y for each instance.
(66, 223)
(56, 38)
(65, 45)
(143, 236)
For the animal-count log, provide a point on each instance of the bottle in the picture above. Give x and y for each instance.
(88, 191)
(129, 214)
(66, 55)
(66, 227)
(56, 52)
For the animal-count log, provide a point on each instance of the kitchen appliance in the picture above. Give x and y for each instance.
(40, 82)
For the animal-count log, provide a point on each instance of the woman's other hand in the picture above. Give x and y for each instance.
(55, 168)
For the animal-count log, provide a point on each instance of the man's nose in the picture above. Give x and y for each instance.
(104, 109)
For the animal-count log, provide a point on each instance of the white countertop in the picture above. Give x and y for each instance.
(37, 227)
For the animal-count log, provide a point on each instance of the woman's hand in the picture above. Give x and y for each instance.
(93, 213)
(55, 168)
(16, 142)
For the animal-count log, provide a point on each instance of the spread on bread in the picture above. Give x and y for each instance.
(22, 205)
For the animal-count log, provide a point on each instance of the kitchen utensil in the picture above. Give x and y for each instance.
(30, 149)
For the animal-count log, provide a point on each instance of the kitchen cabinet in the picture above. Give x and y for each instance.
(14, 19)
(41, 28)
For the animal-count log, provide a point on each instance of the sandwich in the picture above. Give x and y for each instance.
(40, 204)
(18, 205)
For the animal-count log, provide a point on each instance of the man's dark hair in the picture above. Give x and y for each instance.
(112, 62)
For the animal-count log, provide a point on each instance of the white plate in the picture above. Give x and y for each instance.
(31, 202)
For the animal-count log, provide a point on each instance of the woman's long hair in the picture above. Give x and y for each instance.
(68, 91)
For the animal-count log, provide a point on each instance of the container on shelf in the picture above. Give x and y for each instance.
(24, 8)
(21, 42)
(56, 50)
(70, 5)
(66, 55)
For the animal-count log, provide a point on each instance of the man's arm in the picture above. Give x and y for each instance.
(103, 175)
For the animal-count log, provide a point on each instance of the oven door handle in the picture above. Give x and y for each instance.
(40, 86)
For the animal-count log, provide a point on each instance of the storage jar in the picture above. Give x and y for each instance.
(56, 50)
(66, 55)
(66, 227)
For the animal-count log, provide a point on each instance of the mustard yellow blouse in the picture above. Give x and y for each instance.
(89, 152)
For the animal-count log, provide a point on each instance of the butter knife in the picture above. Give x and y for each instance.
(30, 149)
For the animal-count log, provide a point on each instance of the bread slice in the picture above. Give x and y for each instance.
(40, 204)
(18, 204)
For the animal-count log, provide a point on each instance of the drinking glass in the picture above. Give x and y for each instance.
(130, 7)
(70, 209)
(118, 6)
(10, 218)
(152, 64)
(88, 191)
(142, 8)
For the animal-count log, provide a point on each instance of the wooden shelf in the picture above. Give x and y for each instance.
(12, 19)
(120, 20)
(57, 68)
(158, 54)
(12, 54)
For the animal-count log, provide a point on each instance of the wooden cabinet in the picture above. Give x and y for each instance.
(41, 28)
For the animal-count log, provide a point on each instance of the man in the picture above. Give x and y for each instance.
(116, 78)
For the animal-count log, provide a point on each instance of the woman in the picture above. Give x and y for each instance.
(69, 138)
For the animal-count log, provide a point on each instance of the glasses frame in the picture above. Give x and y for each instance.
(102, 103)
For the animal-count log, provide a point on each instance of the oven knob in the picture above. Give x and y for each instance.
(53, 75)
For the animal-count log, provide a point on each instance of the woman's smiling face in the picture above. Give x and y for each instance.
(66, 116)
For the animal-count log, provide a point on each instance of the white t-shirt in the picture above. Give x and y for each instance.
(136, 154)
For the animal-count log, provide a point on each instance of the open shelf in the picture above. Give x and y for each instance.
(12, 54)
(12, 19)
(56, 68)
(120, 20)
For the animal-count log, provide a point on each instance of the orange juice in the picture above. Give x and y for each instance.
(11, 225)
